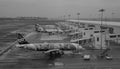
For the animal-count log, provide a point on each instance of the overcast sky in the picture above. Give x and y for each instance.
(58, 8)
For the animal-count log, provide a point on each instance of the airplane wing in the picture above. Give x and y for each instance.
(54, 53)
(51, 50)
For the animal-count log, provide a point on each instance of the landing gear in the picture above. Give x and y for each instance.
(56, 54)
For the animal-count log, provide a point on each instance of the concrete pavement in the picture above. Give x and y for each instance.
(27, 59)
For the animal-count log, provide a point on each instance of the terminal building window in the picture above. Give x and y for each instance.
(90, 28)
(118, 35)
(80, 42)
(113, 36)
(90, 40)
(102, 31)
(111, 30)
(96, 31)
(91, 25)
(86, 29)
(91, 35)
(84, 33)
(97, 38)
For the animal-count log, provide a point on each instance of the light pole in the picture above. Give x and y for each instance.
(101, 10)
(69, 16)
(78, 14)
(113, 15)
(64, 17)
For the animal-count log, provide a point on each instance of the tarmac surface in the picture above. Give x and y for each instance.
(17, 58)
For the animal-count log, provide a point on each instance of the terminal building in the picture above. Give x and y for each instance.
(91, 34)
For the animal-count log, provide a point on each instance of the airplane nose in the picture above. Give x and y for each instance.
(17, 45)
(20, 46)
(80, 48)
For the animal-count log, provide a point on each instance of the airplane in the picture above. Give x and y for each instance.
(39, 28)
(50, 49)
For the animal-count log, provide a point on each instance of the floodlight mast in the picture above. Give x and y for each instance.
(64, 17)
(101, 19)
(78, 14)
(69, 16)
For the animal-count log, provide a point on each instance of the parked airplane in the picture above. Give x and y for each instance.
(50, 49)
(39, 28)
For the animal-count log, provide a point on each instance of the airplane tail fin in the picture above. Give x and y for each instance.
(21, 39)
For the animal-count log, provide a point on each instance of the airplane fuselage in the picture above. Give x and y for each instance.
(46, 47)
